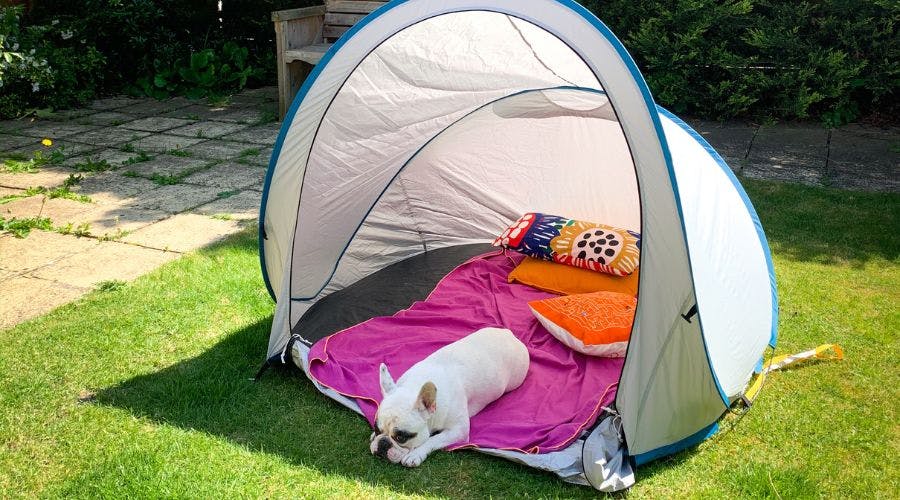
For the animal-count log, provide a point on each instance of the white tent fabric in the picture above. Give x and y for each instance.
(431, 124)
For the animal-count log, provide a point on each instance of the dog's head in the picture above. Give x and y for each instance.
(401, 423)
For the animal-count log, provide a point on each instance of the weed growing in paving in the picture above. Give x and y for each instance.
(111, 285)
(21, 228)
(267, 116)
(116, 236)
(17, 163)
(243, 156)
(128, 148)
(63, 191)
(228, 194)
(166, 180)
(81, 230)
(141, 157)
(221, 217)
(92, 165)
(181, 153)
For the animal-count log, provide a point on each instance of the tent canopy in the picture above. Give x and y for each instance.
(432, 124)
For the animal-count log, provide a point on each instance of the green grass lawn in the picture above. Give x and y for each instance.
(142, 390)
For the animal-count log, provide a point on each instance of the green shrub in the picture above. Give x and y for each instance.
(833, 60)
(205, 73)
(44, 65)
(836, 60)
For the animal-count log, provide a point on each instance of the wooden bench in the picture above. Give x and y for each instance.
(302, 36)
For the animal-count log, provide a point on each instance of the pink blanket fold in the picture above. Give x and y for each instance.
(562, 394)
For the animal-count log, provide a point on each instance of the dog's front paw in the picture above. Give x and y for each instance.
(413, 458)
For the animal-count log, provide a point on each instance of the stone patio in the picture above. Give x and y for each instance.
(182, 174)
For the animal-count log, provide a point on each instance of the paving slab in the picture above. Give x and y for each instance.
(166, 165)
(48, 177)
(112, 103)
(116, 158)
(112, 188)
(731, 139)
(38, 249)
(105, 118)
(105, 261)
(241, 206)
(112, 221)
(55, 130)
(155, 124)
(67, 147)
(866, 159)
(789, 153)
(161, 143)
(249, 115)
(59, 210)
(261, 159)
(198, 112)
(5, 191)
(207, 129)
(25, 298)
(219, 150)
(183, 232)
(264, 135)
(175, 198)
(64, 115)
(228, 175)
(9, 141)
(109, 136)
(151, 107)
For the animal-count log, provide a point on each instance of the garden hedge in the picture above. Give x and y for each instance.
(830, 60)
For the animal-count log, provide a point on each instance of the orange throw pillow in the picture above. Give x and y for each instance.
(597, 324)
(567, 280)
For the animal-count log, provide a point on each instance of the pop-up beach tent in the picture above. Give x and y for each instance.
(432, 124)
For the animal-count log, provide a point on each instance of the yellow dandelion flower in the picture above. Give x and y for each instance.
(47, 142)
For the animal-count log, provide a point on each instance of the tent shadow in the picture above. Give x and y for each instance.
(827, 226)
(283, 414)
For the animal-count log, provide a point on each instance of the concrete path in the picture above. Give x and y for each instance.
(153, 180)
(150, 180)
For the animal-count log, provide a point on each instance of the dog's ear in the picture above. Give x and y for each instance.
(427, 399)
(387, 382)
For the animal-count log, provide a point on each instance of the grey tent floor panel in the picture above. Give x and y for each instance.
(385, 292)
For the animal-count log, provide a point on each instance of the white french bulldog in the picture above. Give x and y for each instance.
(429, 407)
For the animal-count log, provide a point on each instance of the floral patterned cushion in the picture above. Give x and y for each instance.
(587, 245)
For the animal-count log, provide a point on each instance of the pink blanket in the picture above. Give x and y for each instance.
(562, 394)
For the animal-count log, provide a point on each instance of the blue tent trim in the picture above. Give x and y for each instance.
(753, 215)
(692, 440)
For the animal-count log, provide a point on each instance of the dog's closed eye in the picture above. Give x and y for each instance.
(404, 436)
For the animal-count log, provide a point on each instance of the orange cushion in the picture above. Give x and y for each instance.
(597, 324)
(567, 280)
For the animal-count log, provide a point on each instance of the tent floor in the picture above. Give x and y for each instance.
(379, 294)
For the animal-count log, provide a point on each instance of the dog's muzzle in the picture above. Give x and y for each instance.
(384, 444)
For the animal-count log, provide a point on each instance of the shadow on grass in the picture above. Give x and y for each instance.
(283, 414)
(828, 226)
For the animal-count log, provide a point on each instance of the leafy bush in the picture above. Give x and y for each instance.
(44, 65)
(205, 73)
(836, 60)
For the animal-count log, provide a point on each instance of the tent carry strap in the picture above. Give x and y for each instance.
(779, 362)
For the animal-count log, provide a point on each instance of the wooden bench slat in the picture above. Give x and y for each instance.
(334, 31)
(311, 54)
(352, 7)
(336, 19)
(303, 12)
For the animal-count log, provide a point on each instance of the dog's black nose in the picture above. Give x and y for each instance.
(384, 444)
